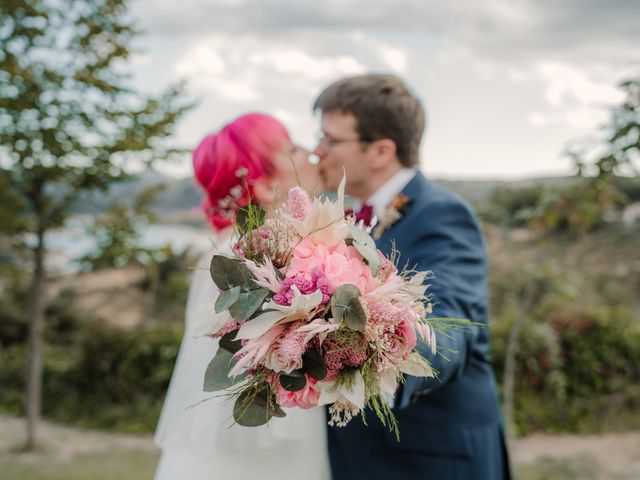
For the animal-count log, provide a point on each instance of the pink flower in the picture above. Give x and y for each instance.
(307, 283)
(285, 355)
(338, 355)
(228, 327)
(407, 333)
(299, 203)
(340, 264)
(306, 398)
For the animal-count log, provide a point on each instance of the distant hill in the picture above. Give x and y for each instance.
(178, 195)
(183, 194)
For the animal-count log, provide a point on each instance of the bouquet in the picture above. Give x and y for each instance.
(310, 313)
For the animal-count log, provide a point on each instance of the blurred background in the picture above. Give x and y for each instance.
(534, 117)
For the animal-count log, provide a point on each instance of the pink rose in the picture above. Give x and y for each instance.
(408, 335)
(285, 355)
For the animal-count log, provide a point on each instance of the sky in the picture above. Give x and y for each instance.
(508, 85)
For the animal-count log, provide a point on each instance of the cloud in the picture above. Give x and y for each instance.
(392, 56)
(567, 84)
(505, 29)
(519, 77)
(246, 68)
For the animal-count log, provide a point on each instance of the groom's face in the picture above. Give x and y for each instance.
(340, 147)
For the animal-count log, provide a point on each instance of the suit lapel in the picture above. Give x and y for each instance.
(413, 190)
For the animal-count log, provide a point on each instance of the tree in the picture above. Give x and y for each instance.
(70, 122)
(117, 233)
(581, 206)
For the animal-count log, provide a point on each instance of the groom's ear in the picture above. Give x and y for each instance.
(382, 153)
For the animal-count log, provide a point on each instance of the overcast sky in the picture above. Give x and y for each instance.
(506, 83)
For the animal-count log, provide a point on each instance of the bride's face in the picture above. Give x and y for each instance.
(292, 167)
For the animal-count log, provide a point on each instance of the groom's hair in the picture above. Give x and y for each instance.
(384, 107)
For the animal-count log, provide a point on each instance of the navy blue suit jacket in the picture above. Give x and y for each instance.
(450, 426)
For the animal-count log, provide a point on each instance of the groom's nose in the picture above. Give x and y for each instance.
(320, 151)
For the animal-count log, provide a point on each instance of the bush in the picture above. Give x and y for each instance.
(111, 378)
(578, 362)
(505, 206)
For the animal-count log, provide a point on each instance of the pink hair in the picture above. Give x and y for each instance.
(233, 159)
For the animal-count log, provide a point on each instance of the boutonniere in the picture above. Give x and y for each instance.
(391, 214)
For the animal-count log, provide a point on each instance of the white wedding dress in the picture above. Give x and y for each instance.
(199, 440)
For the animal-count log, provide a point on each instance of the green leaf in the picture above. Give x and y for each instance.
(247, 304)
(231, 272)
(216, 376)
(346, 307)
(250, 217)
(229, 344)
(252, 410)
(366, 246)
(226, 299)
(293, 382)
(314, 365)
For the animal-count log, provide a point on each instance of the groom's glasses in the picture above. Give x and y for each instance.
(329, 142)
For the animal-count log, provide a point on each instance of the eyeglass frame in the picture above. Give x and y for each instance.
(329, 142)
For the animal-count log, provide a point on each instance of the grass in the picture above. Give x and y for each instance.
(117, 464)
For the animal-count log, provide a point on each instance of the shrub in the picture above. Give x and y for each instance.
(111, 378)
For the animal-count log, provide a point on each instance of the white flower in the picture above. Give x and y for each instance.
(330, 393)
(302, 306)
(207, 321)
(236, 192)
(241, 172)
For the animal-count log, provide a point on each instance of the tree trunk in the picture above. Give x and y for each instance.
(36, 327)
(508, 382)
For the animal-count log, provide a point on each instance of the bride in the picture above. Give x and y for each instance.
(251, 157)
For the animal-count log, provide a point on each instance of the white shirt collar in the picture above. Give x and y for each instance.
(383, 197)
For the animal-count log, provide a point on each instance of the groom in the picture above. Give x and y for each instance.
(450, 426)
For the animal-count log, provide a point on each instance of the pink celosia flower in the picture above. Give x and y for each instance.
(339, 355)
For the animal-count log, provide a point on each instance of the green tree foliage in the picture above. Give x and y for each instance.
(117, 232)
(581, 206)
(69, 122)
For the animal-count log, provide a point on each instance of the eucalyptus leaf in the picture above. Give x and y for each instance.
(366, 246)
(293, 382)
(346, 307)
(314, 365)
(216, 376)
(231, 272)
(247, 304)
(226, 299)
(254, 410)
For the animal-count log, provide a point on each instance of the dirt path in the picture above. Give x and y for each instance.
(616, 454)
(63, 443)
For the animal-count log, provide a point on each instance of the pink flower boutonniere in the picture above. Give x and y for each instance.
(391, 214)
